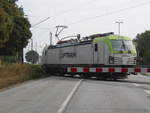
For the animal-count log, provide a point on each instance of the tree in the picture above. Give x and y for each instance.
(14, 28)
(6, 26)
(143, 46)
(32, 56)
(12, 1)
(146, 57)
(20, 35)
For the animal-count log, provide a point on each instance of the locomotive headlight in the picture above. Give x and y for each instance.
(111, 60)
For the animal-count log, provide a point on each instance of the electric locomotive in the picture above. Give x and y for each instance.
(101, 55)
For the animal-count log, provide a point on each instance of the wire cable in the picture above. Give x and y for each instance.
(109, 13)
(40, 22)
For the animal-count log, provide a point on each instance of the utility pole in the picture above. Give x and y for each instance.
(22, 52)
(51, 36)
(119, 22)
(32, 48)
(36, 45)
(31, 43)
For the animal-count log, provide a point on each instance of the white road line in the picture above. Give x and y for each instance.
(147, 91)
(136, 84)
(66, 102)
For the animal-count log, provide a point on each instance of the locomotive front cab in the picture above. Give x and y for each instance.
(122, 52)
(116, 51)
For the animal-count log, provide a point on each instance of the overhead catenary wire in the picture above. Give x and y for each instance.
(91, 18)
(108, 13)
(74, 9)
(34, 26)
(64, 12)
(94, 17)
(40, 22)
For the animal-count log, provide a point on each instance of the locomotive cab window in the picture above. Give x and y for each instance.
(95, 47)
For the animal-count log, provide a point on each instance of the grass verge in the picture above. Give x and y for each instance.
(11, 74)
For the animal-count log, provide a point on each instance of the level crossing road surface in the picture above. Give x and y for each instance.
(74, 95)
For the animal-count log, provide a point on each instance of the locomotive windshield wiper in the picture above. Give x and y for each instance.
(122, 46)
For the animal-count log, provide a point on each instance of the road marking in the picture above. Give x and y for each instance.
(136, 84)
(147, 91)
(66, 102)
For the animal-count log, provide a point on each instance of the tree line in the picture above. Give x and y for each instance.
(142, 43)
(14, 29)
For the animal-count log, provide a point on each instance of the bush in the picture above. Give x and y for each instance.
(16, 73)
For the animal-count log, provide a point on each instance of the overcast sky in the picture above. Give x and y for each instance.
(86, 17)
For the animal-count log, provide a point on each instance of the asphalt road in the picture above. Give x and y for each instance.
(125, 96)
(92, 96)
(42, 96)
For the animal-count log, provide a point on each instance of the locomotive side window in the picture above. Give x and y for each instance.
(96, 47)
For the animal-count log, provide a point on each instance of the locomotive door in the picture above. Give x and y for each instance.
(95, 54)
